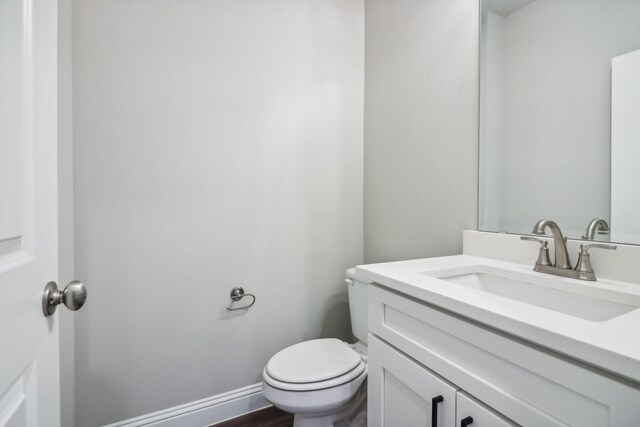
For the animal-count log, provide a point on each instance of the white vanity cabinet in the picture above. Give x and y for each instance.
(418, 352)
(472, 413)
(404, 393)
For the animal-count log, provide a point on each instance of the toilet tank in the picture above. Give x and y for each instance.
(358, 304)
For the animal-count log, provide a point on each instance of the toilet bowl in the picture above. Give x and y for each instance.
(323, 381)
(321, 388)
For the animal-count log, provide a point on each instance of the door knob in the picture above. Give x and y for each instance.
(73, 296)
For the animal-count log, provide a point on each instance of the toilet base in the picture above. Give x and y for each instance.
(309, 420)
(353, 414)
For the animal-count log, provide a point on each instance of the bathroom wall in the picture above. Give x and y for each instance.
(421, 127)
(492, 146)
(217, 143)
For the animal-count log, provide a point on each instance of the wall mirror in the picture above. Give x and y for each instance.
(560, 116)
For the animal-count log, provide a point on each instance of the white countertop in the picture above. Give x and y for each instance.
(612, 345)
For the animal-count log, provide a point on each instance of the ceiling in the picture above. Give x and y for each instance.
(504, 7)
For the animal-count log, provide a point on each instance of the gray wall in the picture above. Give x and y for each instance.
(492, 111)
(217, 144)
(421, 127)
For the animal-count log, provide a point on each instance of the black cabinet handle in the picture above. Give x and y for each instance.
(434, 410)
(466, 421)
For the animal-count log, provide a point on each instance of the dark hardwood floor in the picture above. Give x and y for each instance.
(269, 417)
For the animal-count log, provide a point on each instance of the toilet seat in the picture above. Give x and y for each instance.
(318, 385)
(314, 365)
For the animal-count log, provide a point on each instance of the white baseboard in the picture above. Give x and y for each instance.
(204, 412)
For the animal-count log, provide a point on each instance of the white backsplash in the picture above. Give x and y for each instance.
(622, 264)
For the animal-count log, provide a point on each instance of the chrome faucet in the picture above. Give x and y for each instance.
(562, 265)
(597, 225)
(559, 242)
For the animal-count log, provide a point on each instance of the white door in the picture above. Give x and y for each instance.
(625, 147)
(471, 413)
(400, 392)
(29, 373)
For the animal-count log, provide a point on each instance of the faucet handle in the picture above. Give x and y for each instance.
(584, 249)
(543, 242)
(543, 255)
(583, 267)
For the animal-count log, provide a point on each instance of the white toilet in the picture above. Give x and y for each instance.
(323, 381)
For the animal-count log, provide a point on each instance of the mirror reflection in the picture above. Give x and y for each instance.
(560, 117)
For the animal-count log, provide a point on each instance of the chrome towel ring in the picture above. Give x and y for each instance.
(237, 294)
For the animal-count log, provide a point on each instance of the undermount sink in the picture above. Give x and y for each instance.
(593, 301)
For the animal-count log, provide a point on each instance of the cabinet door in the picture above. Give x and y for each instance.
(472, 413)
(403, 393)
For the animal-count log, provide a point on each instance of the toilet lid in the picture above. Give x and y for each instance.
(312, 361)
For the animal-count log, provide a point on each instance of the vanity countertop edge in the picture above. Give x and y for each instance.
(612, 346)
